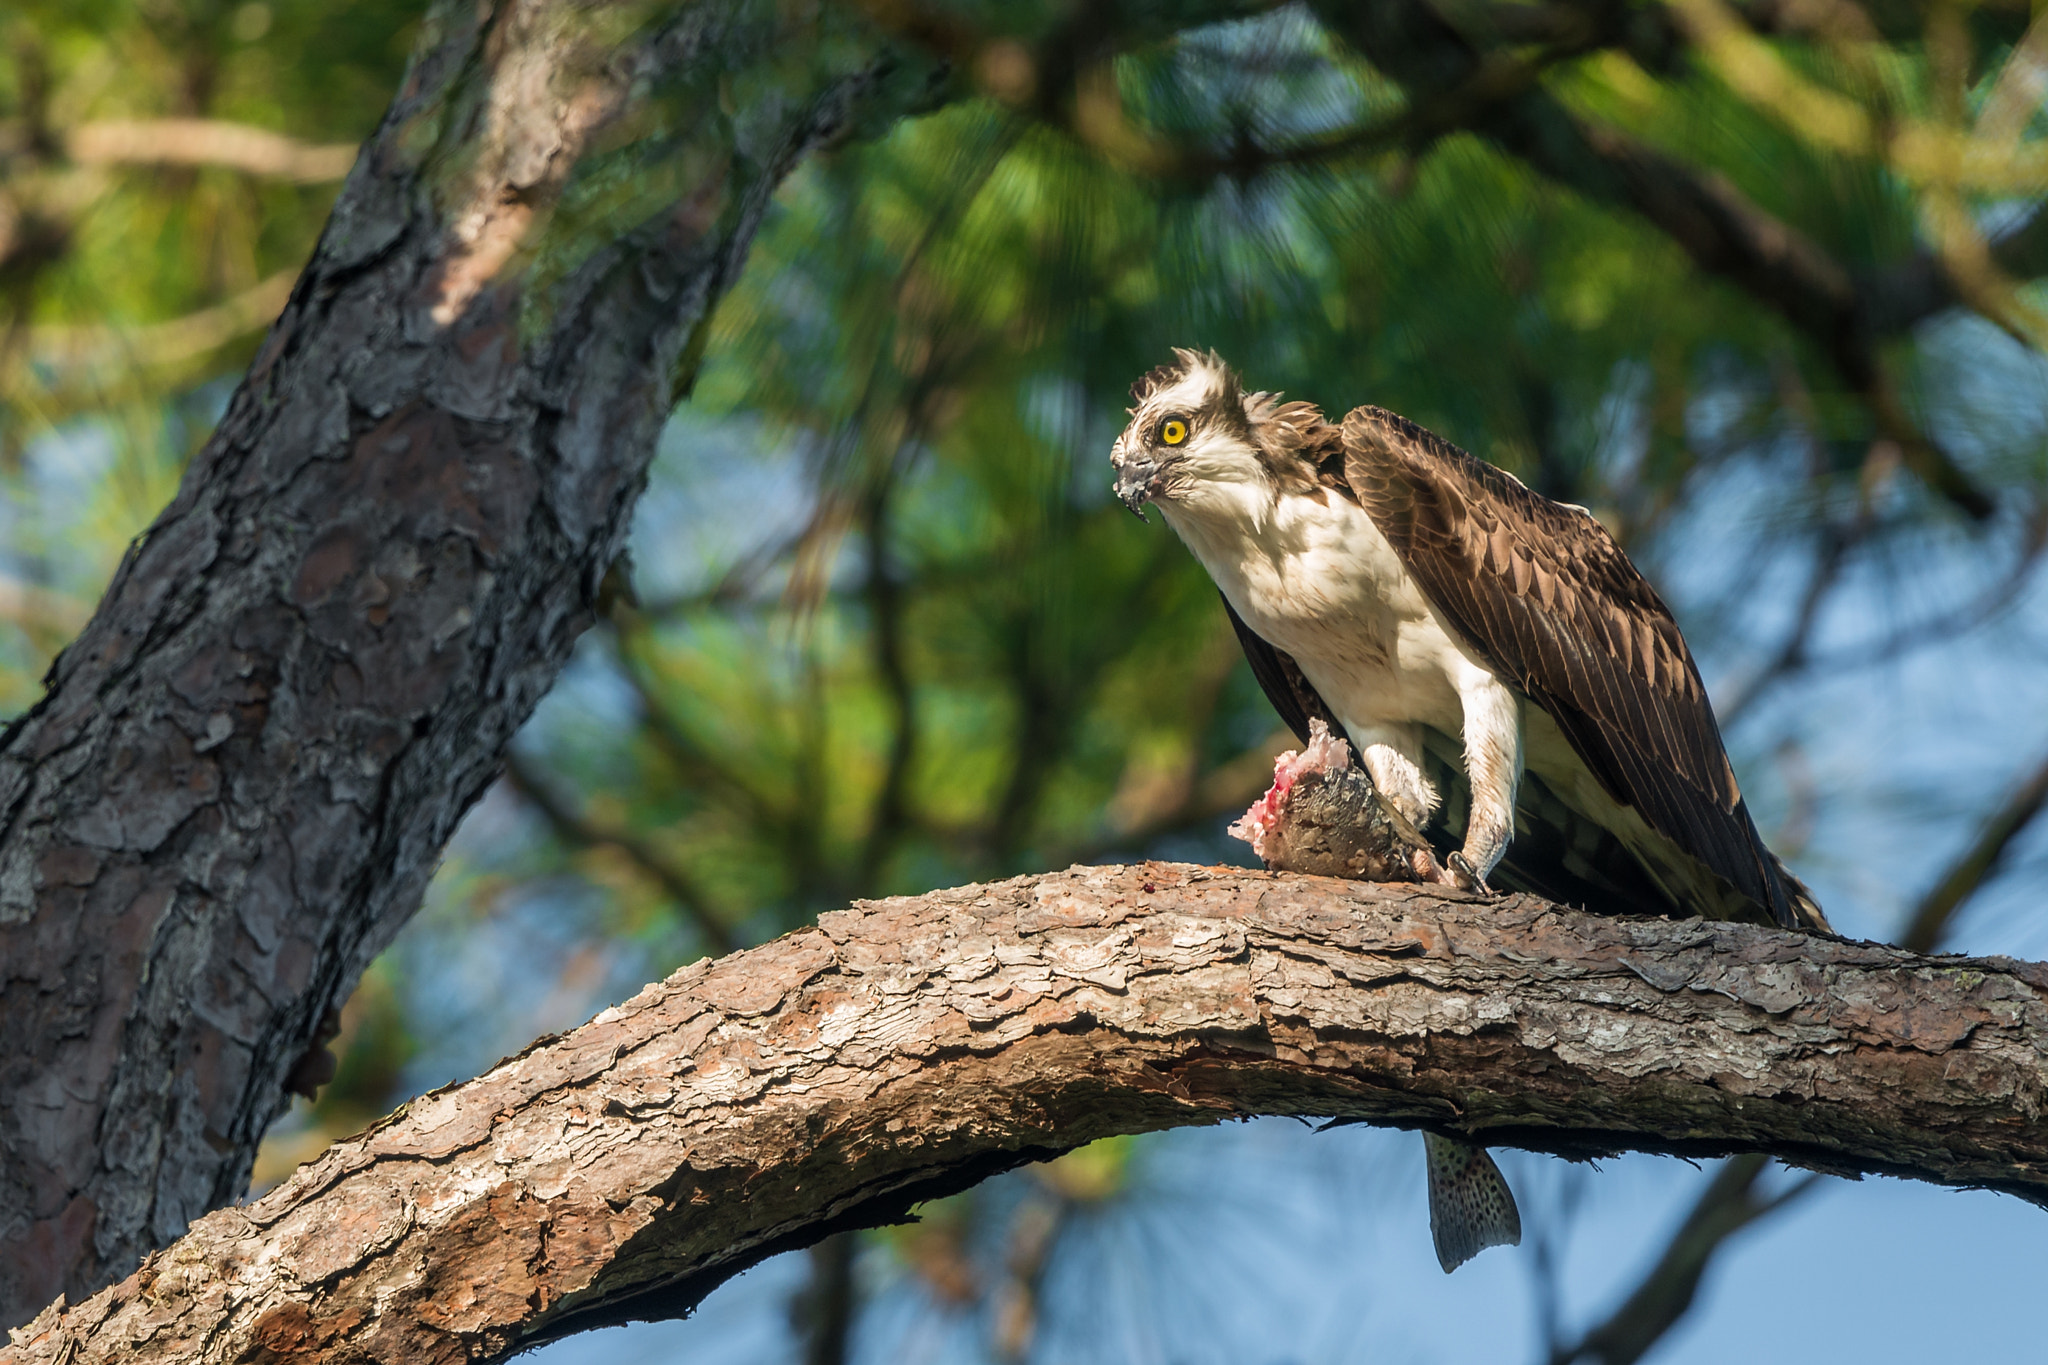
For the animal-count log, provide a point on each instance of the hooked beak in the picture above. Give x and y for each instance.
(1135, 476)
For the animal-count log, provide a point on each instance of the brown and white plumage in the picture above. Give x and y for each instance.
(1476, 641)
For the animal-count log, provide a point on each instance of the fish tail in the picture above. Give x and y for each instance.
(1471, 1207)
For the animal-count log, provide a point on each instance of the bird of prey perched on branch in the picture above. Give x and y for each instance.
(1513, 687)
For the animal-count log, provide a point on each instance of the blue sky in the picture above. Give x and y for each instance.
(1296, 1246)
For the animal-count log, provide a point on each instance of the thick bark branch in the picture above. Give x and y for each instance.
(906, 1048)
(243, 772)
(1731, 1203)
(306, 671)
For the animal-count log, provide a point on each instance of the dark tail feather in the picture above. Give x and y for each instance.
(1806, 911)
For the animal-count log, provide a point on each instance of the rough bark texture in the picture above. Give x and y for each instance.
(908, 1047)
(243, 772)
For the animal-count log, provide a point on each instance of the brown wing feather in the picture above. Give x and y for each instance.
(1543, 594)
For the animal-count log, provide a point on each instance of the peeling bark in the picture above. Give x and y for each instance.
(906, 1048)
(243, 772)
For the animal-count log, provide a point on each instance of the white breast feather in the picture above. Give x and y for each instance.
(1318, 580)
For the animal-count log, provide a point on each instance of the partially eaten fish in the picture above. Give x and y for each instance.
(1321, 816)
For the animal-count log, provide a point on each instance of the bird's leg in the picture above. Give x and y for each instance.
(1392, 758)
(1493, 764)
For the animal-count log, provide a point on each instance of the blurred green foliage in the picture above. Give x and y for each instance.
(885, 629)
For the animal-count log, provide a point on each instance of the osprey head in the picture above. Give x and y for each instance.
(1188, 429)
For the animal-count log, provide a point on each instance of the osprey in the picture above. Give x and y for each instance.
(1493, 657)
(1513, 687)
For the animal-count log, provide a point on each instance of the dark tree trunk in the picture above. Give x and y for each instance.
(244, 771)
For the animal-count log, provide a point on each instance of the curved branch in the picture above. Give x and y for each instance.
(1730, 1203)
(159, 344)
(906, 1048)
(1931, 918)
(574, 827)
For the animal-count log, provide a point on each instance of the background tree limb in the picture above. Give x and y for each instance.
(579, 828)
(1936, 911)
(909, 1047)
(1730, 1203)
(207, 142)
(1722, 230)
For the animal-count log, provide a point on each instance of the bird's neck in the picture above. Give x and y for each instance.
(1220, 520)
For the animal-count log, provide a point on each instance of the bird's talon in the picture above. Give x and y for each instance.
(1468, 880)
(1423, 864)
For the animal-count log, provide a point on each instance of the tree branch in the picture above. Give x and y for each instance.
(1917, 288)
(207, 142)
(1729, 1204)
(158, 344)
(1728, 235)
(824, 1308)
(907, 1048)
(1931, 918)
(1721, 229)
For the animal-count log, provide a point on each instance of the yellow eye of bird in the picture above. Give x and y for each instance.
(1173, 431)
